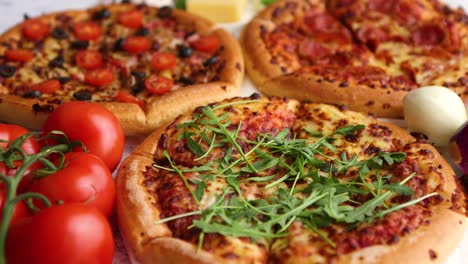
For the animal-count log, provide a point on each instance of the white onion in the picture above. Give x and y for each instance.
(435, 111)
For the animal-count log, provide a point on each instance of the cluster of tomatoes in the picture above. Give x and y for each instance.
(72, 227)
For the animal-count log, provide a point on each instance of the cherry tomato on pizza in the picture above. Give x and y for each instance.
(209, 43)
(92, 124)
(87, 30)
(126, 97)
(35, 29)
(136, 44)
(85, 178)
(99, 77)
(163, 61)
(69, 233)
(48, 86)
(158, 85)
(21, 55)
(89, 59)
(131, 19)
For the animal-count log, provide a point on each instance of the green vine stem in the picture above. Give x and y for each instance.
(11, 183)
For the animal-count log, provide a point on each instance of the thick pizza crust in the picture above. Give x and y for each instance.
(310, 87)
(134, 120)
(151, 243)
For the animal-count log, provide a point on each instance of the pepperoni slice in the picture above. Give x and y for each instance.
(428, 35)
(87, 30)
(89, 59)
(99, 77)
(163, 61)
(131, 19)
(312, 50)
(21, 55)
(158, 85)
(321, 22)
(35, 29)
(343, 3)
(48, 86)
(372, 36)
(126, 97)
(137, 44)
(383, 6)
(408, 12)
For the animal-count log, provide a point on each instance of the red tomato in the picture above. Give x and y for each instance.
(89, 59)
(11, 132)
(92, 124)
(48, 86)
(85, 178)
(158, 85)
(136, 44)
(131, 19)
(126, 97)
(208, 43)
(163, 61)
(21, 55)
(30, 146)
(35, 29)
(100, 77)
(87, 30)
(70, 233)
(20, 211)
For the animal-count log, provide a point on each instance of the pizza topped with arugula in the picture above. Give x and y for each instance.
(267, 180)
(142, 62)
(365, 54)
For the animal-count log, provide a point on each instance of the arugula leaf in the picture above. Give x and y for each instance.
(399, 189)
(348, 130)
(267, 2)
(193, 145)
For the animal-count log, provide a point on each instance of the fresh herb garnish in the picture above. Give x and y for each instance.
(298, 177)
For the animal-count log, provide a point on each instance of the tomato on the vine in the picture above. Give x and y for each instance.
(11, 132)
(85, 178)
(92, 124)
(69, 233)
(19, 212)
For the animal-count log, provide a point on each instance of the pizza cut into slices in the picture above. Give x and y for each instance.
(363, 54)
(146, 64)
(269, 180)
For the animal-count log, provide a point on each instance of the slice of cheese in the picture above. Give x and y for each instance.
(222, 11)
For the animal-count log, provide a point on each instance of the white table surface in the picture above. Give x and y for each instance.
(12, 11)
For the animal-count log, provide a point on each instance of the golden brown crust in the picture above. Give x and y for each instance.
(430, 243)
(313, 88)
(134, 120)
(136, 213)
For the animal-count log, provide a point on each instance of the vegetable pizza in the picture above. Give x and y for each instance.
(146, 64)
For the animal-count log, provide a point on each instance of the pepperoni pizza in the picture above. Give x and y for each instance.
(365, 54)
